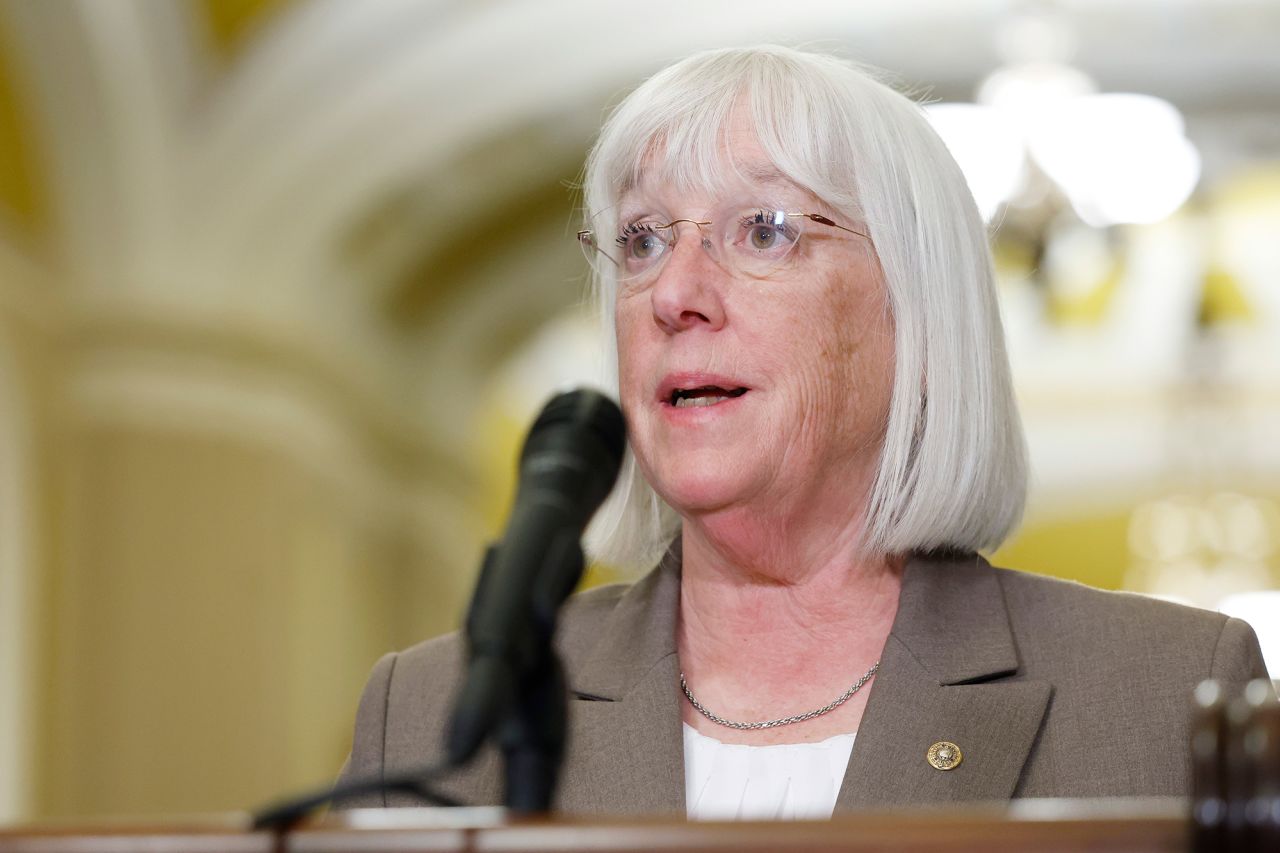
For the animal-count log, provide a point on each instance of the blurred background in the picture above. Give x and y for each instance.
(282, 281)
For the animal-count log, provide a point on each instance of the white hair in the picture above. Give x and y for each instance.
(952, 472)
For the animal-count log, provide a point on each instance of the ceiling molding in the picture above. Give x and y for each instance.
(106, 90)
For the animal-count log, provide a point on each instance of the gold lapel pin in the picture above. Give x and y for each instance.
(944, 755)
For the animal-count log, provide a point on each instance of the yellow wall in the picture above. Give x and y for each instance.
(1092, 549)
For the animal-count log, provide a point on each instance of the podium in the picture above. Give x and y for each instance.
(1046, 826)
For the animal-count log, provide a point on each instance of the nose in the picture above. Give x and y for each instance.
(688, 291)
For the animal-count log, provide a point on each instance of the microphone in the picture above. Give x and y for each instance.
(569, 463)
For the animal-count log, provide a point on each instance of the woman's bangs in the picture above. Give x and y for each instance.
(685, 155)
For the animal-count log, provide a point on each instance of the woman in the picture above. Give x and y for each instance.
(823, 436)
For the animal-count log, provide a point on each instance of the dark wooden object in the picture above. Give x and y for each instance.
(1235, 749)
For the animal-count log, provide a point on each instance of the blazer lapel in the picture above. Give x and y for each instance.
(626, 741)
(946, 674)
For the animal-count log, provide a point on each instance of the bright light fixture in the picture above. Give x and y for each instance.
(987, 144)
(1118, 157)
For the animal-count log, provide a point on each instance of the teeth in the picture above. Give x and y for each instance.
(686, 402)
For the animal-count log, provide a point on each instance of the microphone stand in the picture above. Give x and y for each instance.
(531, 734)
(532, 740)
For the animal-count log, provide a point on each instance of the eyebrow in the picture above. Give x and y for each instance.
(766, 173)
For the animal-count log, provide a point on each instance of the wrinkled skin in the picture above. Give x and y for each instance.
(793, 458)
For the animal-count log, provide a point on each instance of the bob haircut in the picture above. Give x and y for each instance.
(952, 472)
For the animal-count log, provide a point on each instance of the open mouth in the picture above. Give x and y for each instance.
(706, 395)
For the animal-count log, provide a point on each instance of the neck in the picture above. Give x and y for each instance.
(759, 645)
(827, 603)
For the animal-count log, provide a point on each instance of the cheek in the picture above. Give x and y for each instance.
(632, 366)
(852, 344)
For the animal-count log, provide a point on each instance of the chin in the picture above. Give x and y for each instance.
(698, 489)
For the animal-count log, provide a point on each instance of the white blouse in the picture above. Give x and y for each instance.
(791, 781)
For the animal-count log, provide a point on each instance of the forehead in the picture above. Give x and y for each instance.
(755, 177)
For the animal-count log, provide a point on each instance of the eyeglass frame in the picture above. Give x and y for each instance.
(587, 237)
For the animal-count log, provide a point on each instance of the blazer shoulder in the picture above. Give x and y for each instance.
(1123, 668)
(1051, 615)
(441, 657)
(368, 744)
(1075, 600)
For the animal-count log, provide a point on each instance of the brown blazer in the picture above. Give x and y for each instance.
(1050, 688)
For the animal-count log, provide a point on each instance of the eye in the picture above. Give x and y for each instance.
(767, 231)
(640, 242)
(763, 236)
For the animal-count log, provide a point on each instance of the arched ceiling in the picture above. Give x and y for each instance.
(383, 183)
(325, 114)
